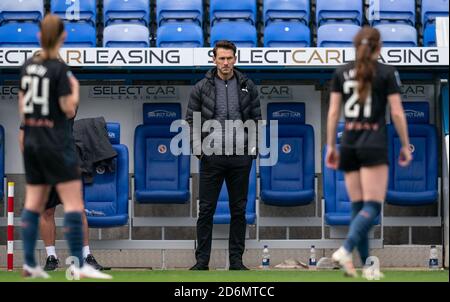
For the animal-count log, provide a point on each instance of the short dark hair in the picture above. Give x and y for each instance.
(225, 44)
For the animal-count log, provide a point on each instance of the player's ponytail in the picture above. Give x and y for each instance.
(52, 28)
(367, 44)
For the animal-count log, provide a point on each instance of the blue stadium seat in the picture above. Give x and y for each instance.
(416, 184)
(126, 35)
(429, 35)
(290, 182)
(397, 35)
(126, 10)
(160, 176)
(432, 9)
(336, 35)
(222, 214)
(20, 10)
(80, 34)
(75, 10)
(179, 34)
(392, 11)
(108, 195)
(339, 11)
(231, 10)
(287, 34)
(286, 10)
(179, 10)
(246, 36)
(19, 35)
(2, 161)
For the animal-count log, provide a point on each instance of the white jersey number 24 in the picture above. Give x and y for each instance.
(32, 97)
(352, 107)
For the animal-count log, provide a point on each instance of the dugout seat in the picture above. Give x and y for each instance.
(381, 11)
(126, 35)
(126, 11)
(347, 11)
(179, 10)
(290, 182)
(429, 35)
(80, 34)
(179, 34)
(72, 10)
(397, 35)
(246, 36)
(431, 9)
(416, 184)
(108, 195)
(2, 162)
(160, 176)
(222, 214)
(286, 10)
(287, 34)
(336, 35)
(21, 10)
(19, 35)
(232, 10)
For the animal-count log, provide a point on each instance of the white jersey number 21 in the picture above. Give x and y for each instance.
(352, 107)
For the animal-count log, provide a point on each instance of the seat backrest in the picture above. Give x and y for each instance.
(19, 10)
(397, 35)
(80, 34)
(19, 35)
(340, 10)
(156, 168)
(231, 10)
(222, 214)
(336, 35)
(179, 34)
(287, 10)
(392, 11)
(2, 161)
(295, 169)
(421, 174)
(109, 191)
(429, 35)
(287, 34)
(75, 10)
(126, 10)
(179, 10)
(126, 35)
(432, 9)
(246, 36)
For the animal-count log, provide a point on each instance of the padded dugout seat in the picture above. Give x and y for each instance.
(287, 34)
(431, 9)
(2, 161)
(80, 34)
(336, 35)
(21, 10)
(126, 11)
(232, 10)
(19, 35)
(66, 10)
(179, 10)
(246, 36)
(392, 11)
(179, 34)
(397, 35)
(126, 35)
(297, 10)
(348, 11)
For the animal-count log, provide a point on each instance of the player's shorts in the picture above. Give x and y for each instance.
(48, 166)
(53, 199)
(353, 159)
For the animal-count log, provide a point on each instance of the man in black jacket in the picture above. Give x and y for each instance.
(225, 94)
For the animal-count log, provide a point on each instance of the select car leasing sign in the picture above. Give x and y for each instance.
(202, 57)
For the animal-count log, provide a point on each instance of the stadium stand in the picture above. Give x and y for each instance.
(19, 35)
(126, 36)
(336, 35)
(431, 9)
(19, 10)
(290, 182)
(2, 161)
(180, 34)
(418, 183)
(67, 10)
(232, 10)
(349, 11)
(381, 11)
(246, 36)
(287, 34)
(286, 10)
(115, 11)
(108, 195)
(397, 35)
(222, 214)
(179, 10)
(160, 176)
(80, 34)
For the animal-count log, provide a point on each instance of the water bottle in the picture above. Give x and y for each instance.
(266, 258)
(433, 263)
(312, 259)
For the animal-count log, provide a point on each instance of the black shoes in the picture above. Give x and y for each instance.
(198, 267)
(92, 262)
(51, 263)
(238, 267)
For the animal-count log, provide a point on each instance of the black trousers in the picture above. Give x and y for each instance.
(214, 170)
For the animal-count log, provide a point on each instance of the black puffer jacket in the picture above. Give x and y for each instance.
(203, 99)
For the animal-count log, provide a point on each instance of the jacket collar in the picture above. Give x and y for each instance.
(241, 78)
